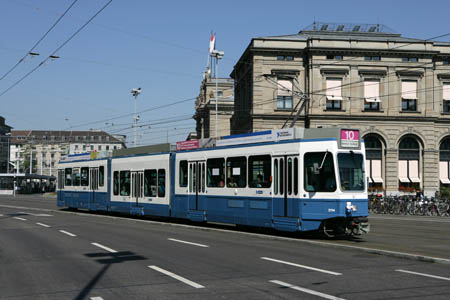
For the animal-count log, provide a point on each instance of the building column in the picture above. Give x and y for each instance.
(430, 172)
(391, 171)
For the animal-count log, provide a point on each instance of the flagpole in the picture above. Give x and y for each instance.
(217, 55)
(217, 87)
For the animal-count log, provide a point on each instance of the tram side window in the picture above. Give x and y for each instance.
(61, 179)
(275, 179)
(296, 176)
(319, 172)
(68, 173)
(125, 183)
(215, 171)
(203, 177)
(76, 176)
(150, 183)
(116, 183)
(84, 176)
(259, 171)
(101, 176)
(161, 183)
(183, 173)
(236, 171)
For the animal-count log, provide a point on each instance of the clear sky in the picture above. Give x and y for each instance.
(160, 46)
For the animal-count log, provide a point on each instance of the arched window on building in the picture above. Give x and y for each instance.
(444, 160)
(374, 162)
(408, 164)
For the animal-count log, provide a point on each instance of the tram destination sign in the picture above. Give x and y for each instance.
(349, 138)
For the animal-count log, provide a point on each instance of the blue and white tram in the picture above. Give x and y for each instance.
(84, 185)
(307, 182)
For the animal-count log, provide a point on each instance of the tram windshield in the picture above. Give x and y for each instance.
(351, 171)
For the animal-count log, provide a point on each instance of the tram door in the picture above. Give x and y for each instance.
(285, 185)
(93, 175)
(196, 184)
(137, 186)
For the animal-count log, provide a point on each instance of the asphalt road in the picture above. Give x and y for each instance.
(51, 254)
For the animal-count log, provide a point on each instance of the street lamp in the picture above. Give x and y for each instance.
(218, 55)
(8, 136)
(135, 93)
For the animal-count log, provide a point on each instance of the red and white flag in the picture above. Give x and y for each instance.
(212, 43)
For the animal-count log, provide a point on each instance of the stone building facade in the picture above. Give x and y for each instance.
(4, 145)
(48, 146)
(205, 107)
(396, 90)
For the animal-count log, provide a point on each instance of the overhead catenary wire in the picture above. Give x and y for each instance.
(130, 114)
(55, 51)
(39, 41)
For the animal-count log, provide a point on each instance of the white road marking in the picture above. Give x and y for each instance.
(96, 298)
(177, 277)
(44, 225)
(1, 215)
(22, 219)
(422, 274)
(104, 247)
(36, 215)
(301, 266)
(308, 291)
(68, 233)
(190, 243)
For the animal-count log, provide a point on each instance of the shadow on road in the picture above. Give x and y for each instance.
(106, 259)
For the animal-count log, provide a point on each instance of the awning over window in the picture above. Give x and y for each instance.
(284, 87)
(403, 171)
(376, 171)
(372, 91)
(414, 171)
(368, 173)
(334, 89)
(409, 89)
(446, 91)
(443, 172)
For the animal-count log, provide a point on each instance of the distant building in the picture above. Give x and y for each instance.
(395, 89)
(47, 147)
(4, 145)
(205, 107)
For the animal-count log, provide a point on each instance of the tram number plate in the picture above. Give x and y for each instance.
(349, 138)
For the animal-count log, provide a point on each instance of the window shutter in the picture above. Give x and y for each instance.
(443, 172)
(414, 171)
(284, 87)
(368, 173)
(409, 89)
(376, 171)
(372, 91)
(334, 89)
(403, 171)
(446, 91)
